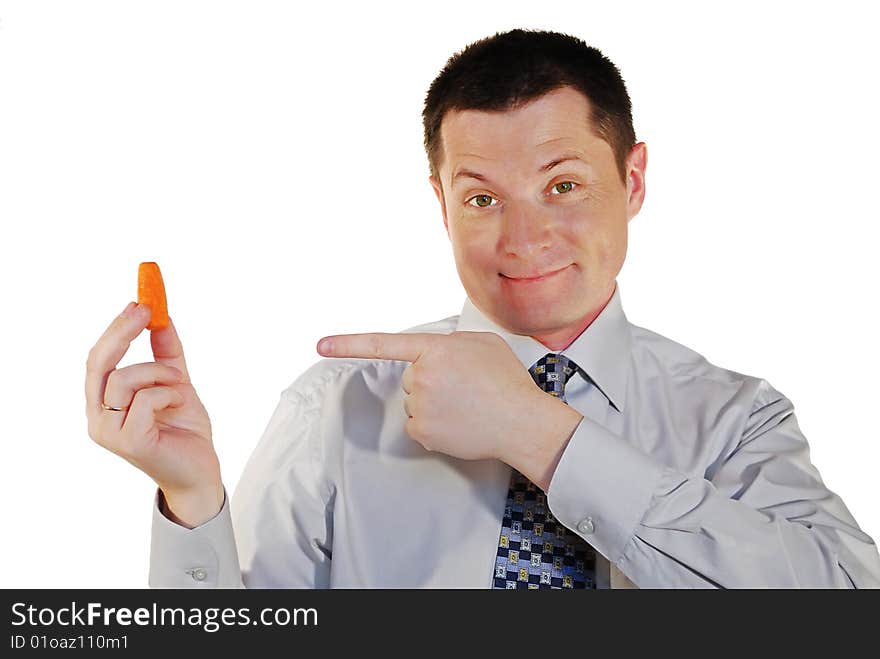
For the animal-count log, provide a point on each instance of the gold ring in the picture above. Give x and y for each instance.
(114, 409)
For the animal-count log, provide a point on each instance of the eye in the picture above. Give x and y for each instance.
(562, 188)
(483, 200)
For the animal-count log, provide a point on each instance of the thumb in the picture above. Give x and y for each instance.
(167, 348)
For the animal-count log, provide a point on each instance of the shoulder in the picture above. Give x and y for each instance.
(728, 404)
(655, 355)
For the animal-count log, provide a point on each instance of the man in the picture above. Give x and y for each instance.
(536, 440)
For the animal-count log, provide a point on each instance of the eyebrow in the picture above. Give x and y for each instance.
(467, 173)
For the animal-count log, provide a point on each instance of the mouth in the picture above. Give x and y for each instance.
(536, 278)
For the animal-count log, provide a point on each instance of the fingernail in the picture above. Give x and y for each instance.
(325, 346)
(128, 307)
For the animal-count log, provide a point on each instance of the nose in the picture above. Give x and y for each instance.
(525, 230)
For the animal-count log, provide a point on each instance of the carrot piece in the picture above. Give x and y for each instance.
(151, 291)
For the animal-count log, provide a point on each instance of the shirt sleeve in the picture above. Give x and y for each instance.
(283, 506)
(761, 518)
(280, 513)
(201, 557)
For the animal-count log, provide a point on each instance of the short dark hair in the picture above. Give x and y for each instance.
(510, 69)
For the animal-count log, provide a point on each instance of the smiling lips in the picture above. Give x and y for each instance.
(537, 278)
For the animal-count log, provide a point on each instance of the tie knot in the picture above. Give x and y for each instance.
(552, 372)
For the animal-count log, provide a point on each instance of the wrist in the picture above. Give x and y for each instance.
(192, 508)
(542, 439)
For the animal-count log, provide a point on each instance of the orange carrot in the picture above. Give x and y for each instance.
(151, 291)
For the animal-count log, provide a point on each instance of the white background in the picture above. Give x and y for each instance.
(269, 157)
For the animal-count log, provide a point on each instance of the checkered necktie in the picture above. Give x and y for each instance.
(536, 551)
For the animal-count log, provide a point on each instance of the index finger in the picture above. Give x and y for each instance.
(109, 349)
(377, 345)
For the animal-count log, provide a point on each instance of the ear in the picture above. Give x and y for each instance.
(438, 191)
(636, 164)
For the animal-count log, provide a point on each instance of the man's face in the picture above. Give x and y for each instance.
(511, 214)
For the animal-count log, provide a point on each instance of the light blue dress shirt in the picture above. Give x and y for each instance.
(682, 474)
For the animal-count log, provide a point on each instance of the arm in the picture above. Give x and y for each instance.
(280, 513)
(761, 517)
(283, 506)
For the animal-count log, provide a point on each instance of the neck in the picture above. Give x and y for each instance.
(562, 338)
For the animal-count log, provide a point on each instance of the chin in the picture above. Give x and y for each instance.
(538, 306)
(530, 321)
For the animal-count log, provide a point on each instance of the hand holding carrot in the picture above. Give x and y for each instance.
(161, 426)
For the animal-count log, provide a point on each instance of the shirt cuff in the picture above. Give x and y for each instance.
(201, 557)
(602, 488)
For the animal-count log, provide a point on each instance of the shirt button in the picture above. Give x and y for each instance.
(199, 574)
(585, 525)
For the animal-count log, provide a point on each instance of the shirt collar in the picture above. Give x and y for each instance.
(602, 350)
